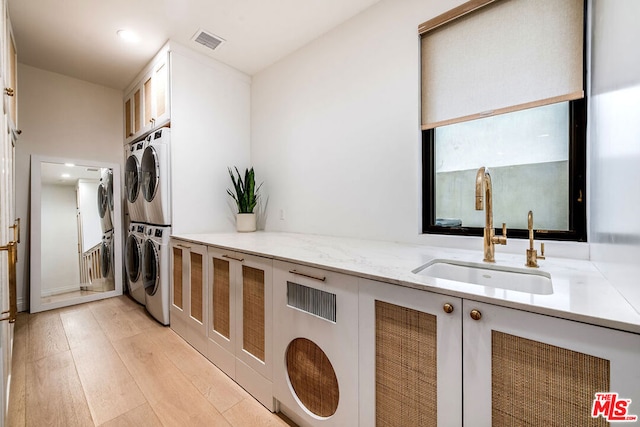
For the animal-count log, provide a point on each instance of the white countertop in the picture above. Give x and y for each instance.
(580, 291)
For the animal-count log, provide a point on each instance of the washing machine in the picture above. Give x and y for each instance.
(106, 257)
(155, 167)
(155, 271)
(133, 261)
(105, 203)
(133, 181)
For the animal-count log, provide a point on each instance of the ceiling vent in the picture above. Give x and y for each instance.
(207, 39)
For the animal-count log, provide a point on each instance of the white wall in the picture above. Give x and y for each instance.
(63, 117)
(210, 130)
(89, 213)
(614, 123)
(336, 127)
(59, 251)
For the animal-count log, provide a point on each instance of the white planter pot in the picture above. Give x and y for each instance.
(246, 222)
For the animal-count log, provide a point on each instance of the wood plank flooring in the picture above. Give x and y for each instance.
(108, 363)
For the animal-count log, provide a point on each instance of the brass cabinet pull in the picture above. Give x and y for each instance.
(183, 246)
(233, 258)
(448, 308)
(9, 91)
(475, 314)
(320, 279)
(12, 249)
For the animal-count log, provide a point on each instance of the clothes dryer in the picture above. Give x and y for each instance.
(133, 261)
(133, 181)
(155, 168)
(155, 271)
(104, 203)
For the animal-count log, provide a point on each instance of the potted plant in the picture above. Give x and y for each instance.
(245, 195)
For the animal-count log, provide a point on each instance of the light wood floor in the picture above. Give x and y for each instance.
(108, 363)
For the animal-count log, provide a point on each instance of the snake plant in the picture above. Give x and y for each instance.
(245, 193)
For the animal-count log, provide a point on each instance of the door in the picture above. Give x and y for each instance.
(150, 173)
(521, 368)
(8, 238)
(410, 354)
(133, 261)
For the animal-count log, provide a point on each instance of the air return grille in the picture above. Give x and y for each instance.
(311, 300)
(207, 39)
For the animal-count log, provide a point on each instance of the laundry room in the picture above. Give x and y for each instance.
(313, 214)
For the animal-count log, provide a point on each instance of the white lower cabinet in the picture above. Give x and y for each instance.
(239, 331)
(432, 360)
(410, 357)
(521, 368)
(187, 307)
(315, 373)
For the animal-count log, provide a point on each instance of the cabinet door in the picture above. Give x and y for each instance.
(11, 81)
(188, 292)
(521, 368)
(197, 292)
(410, 357)
(146, 108)
(161, 105)
(315, 373)
(178, 307)
(254, 326)
(133, 120)
(221, 328)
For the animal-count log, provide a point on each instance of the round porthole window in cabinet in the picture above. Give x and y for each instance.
(312, 377)
(315, 323)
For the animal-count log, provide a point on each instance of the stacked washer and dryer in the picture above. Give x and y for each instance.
(105, 210)
(147, 185)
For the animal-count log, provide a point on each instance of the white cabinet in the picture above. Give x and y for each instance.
(315, 374)
(133, 113)
(146, 105)
(188, 308)
(240, 326)
(410, 357)
(521, 368)
(419, 351)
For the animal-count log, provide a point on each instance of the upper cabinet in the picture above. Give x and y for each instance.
(146, 105)
(9, 62)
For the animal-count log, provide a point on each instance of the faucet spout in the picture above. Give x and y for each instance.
(483, 182)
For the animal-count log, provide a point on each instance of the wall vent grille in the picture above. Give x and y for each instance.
(312, 301)
(207, 39)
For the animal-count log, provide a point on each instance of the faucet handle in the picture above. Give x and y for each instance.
(501, 240)
(541, 256)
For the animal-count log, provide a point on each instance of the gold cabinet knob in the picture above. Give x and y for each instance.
(448, 308)
(475, 314)
(8, 91)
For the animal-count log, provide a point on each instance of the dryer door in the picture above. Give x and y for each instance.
(150, 267)
(133, 257)
(131, 178)
(150, 173)
(103, 203)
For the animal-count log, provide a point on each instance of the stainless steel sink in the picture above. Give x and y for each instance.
(493, 275)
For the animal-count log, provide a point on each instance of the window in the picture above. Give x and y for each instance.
(476, 113)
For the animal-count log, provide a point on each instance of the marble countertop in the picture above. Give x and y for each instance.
(580, 291)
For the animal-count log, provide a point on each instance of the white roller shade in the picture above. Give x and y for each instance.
(505, 56)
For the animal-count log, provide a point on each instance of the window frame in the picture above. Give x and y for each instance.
(577, 185)
(577, 161)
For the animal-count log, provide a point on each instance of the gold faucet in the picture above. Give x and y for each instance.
(532, 254)
(483, 179)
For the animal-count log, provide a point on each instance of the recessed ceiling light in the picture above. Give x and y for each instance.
(66, 175)
(69, 165)
(128, 36)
